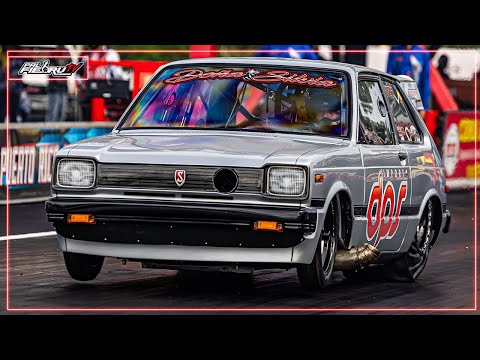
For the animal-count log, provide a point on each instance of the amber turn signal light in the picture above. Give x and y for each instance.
(319, 178)
(268, 225)
(81, 219)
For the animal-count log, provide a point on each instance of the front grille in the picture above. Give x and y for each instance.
(162, 177)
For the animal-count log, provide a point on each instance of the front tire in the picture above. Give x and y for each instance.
(410, 265)
(318, 274)
(83, 267)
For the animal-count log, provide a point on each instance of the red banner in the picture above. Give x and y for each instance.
(459, 155)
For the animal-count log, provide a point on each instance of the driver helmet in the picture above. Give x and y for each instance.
(323, 101)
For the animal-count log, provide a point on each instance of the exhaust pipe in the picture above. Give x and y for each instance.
(356, 258)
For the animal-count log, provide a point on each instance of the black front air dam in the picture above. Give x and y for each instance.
(164, 223)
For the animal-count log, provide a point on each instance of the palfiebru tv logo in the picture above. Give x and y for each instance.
(43, 67)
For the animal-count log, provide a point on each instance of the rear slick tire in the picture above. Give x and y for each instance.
(410, 265)
(317, 275)
(83, 267)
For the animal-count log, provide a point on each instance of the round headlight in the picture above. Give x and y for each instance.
(78, 173)
(286, 181)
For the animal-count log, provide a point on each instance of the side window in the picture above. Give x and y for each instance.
(374, 121)
(406, 129)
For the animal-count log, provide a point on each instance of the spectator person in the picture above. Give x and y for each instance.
(57, 91)
(401, 61)
(103, 72)
(289, 51)
(102, 53)
(15, 87)
(442, 67)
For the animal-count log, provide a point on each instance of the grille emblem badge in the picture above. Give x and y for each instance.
(180, 177)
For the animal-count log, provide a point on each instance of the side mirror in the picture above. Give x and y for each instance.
(409, 87)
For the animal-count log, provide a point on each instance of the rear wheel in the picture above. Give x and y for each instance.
(409, 267)
(83, 267)
(318, 273)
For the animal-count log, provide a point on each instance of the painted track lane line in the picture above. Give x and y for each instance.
(29, 236)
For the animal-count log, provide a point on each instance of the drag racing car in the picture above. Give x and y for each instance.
(238, 164)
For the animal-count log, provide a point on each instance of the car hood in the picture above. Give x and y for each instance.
(207, 148)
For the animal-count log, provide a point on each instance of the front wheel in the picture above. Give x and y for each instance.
(410, 265)
(83, 267)
(318, 273)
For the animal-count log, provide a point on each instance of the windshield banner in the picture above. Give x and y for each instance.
(253, 75)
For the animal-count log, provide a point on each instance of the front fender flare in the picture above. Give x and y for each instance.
(303, 253)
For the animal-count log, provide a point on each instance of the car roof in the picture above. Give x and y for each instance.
(314, 64)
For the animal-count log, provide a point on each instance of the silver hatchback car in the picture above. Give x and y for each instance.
(238, 164)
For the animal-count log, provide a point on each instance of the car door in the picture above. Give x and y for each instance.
(423, 162)
(387, 176)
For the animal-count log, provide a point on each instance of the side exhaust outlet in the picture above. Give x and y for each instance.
(356, 258)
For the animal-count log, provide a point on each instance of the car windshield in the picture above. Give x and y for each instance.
(239, 98)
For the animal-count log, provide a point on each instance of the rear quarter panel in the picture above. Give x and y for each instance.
(426, 171)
